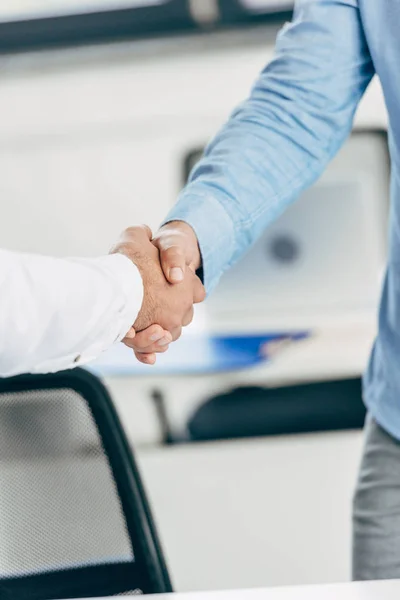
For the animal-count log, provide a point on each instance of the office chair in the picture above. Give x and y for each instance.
(303, 408)
(74, 518)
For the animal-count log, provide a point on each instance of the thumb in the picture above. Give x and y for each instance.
(173, 263)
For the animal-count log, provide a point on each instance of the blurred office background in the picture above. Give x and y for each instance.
(104, 106)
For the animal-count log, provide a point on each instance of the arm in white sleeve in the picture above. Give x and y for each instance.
(59, 313)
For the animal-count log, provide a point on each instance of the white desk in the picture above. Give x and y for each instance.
(383, 590)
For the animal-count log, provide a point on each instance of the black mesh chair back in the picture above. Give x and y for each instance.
(74, 518)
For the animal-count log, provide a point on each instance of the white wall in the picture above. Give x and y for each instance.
(93, 140)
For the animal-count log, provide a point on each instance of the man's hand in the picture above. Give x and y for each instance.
(179, 249)
(166, 308)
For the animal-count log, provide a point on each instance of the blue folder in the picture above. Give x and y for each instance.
(197, 354)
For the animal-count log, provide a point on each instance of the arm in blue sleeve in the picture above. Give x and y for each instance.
(278, 142)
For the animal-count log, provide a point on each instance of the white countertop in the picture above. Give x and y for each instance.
(383, 590)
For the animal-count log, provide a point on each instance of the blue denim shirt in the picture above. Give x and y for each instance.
(278, 142)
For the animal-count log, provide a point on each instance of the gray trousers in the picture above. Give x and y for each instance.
(376, 508)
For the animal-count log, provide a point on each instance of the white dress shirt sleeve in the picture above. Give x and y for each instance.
(59, 313)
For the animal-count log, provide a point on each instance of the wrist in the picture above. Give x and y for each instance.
(133, 253)
(187, 230)
(131, 289)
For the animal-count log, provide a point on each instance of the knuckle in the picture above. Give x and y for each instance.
(173, 254)
(162, 349)
(177, 334)
(175, 249)
(130, 231)
(146, 230)
(135, 230)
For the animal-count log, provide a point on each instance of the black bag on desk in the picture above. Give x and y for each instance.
(255, 411)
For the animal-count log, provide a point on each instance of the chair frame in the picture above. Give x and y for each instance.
(149, 565)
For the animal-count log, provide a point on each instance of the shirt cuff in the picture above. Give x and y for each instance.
(130, 281)
(214, 229)
(128, 297)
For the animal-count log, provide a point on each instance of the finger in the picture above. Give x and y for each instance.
(158, 347)
(146, 359)
(176, 333)
(130, 335)
(148, 337)
(155, 350)
(173, 262)
(188, 318)
(199, 292)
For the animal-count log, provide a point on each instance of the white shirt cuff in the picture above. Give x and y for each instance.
(130, 280)
(128, 298)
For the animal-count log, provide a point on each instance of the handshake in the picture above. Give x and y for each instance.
(167, 264)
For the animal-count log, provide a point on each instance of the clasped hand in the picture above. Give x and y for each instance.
(167, 264)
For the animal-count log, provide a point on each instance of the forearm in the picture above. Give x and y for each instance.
(58, 313)
(279, 141)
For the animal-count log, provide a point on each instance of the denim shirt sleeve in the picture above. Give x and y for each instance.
(279, 140)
